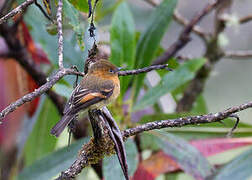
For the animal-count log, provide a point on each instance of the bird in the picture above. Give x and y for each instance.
(99, 87)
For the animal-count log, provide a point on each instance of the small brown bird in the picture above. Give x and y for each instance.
(99, 87)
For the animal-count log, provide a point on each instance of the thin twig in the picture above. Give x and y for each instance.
(43, 12)
(62, 72)
(213, 54)
(86, 157)
(235, 125)
(144, 70)
(242, 20)
(42, 89)
(238, 54)
(60, 34)
(245, 19)
(183, 21)
(196, 29)
(17, 10)
(185, 34)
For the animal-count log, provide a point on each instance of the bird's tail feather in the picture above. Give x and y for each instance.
(60, 126)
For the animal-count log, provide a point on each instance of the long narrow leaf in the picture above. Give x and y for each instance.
(170, 82)
(40, 142)
(185, 155)
(74, 20)
(52, 164)
(151, 37)
(239, 168)
(122, 37)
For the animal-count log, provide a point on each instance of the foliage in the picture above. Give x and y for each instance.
(170, 152)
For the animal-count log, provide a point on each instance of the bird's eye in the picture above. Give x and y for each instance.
(111, 71)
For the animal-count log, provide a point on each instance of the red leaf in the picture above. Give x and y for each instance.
(38, 55)
(209, 147)
(161, 163)
(155, 165)
(13, 78)
(34, 103)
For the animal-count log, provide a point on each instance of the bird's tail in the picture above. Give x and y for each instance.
(60, 126)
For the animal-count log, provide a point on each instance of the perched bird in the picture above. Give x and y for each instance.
(99, 87)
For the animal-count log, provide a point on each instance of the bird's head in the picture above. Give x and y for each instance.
(103, 68)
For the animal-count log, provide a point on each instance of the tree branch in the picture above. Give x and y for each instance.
(238, 54)
(213, 54)
(92, 153)
(183, 21)
(245, 19)
(185, 34)
(60, 34)
(144, 70)
(42, 89)
(16, 11)
(196, 29)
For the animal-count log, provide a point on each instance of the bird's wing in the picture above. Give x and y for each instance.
(82, 98)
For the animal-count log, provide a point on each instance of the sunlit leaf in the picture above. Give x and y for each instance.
(122, 37)
(52, 164)
(81, 5)
(170, 82)
(151, 37)
(47, 6)
(111, 167)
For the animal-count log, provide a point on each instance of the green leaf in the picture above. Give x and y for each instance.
(122, 37)
(111, 166)
(170, 82)
(74, 20)
(37, 27)
(81, 5)
(63, 90)
(239, 168)
(151, 37)
(200, 106)
(188, 157)
(52, 164)
(40, 141)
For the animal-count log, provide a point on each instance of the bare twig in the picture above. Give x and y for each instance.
(245, 19)
(89, 150)
(60, 34)
(17, 10)
(43, 12)
(238, 54)
(242, 20)
(42, 89)
(143, 70)
(40, 78)
(213, 54)
(196, 29)
(183, 21)
(235, 126)
(185, 34)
